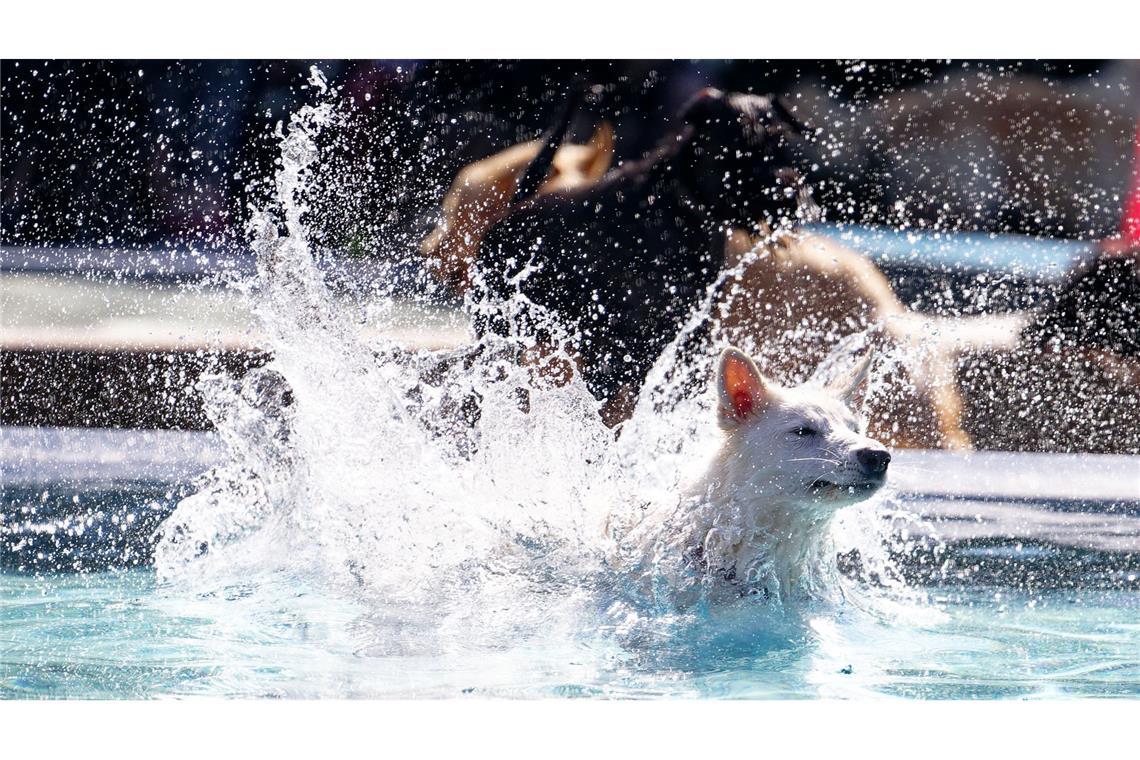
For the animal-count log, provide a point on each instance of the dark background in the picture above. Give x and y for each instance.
(156, 153)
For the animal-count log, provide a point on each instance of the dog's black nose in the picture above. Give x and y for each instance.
(874, 461)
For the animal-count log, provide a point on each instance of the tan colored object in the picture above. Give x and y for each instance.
(802, 281)
(481, 194)
(802, 293)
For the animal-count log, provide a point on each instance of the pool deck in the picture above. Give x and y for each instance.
(30, 455)
(119, 338)
(996, 511)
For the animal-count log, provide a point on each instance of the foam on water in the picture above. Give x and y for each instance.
(358, 467)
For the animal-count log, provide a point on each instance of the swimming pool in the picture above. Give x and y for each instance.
(353, 530)
(1009, 598)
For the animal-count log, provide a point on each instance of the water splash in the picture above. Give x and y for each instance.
(462, 495)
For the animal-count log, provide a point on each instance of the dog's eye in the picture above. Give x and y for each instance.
(803, 432)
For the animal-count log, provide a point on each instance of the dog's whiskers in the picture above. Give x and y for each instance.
(816, 459)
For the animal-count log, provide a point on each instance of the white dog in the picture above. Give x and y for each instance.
(753, 523)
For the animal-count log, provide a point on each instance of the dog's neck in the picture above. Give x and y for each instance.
(743, 527)
(664, 175)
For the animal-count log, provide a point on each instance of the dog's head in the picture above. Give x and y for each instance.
(744, 150)
(803, 443)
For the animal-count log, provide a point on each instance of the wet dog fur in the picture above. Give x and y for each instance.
(790, 457)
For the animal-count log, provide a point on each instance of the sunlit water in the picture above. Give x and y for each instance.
(369, 535)
(122, 634)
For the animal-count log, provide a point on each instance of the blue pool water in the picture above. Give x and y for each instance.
(1003, 599)
(1038, 259)
(120, 634)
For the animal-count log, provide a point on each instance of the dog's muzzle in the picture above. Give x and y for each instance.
(873, 461)
(872, 474)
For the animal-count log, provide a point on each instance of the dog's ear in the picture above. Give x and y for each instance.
(850, 384)
(742, 390)
(602, 141)
(588, 162)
